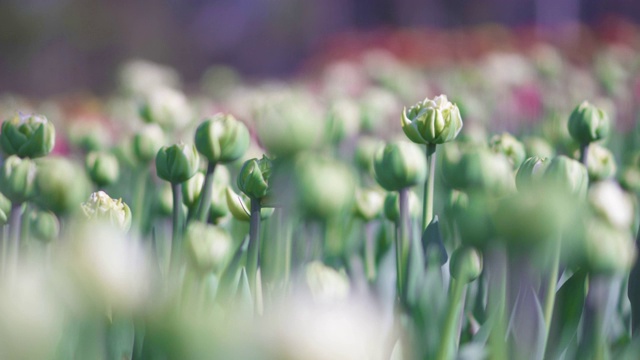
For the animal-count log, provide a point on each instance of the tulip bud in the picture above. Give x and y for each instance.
(191, 190)
(253, 178)
(60, 185)
(399, 165)
(44, 226)
(5, 209)
(177, 163)
(481, 170)
(568, 174)
(27, 136)
(509, 146)
(102, 167)
(102, 207)
(432, 121)
(588, 123)
(343, 120)
(392, 206)
(147, 142)
(219, 208)
(630, 179)
(222, 138)
(208, 247)
(323, 186)
(612, 204)
(536, 146)
(531, 172)
(365, 153)
(465, 264)
(88, 135)
(368, 204)
(239, 206)
(601, 164)
(608, 250)
(166, 107)
(17, 179)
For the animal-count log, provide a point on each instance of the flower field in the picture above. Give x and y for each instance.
(372, 207)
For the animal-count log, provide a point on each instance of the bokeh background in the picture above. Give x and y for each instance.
(59, 46)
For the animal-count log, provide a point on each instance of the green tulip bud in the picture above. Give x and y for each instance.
(568, 174)
(17, 178)
(509, 146)
(103, 208)
(601, 164)
(88, 135)
(368, 204)
(392, 206)
(481, 170)
(219, 208)
(240, 205)
(465, 264)
(191, 190)
(208, 247)
(536, 146)
(588, 123)
(166, 107)
(432, 121)
(222, 138)
(323, 186)
(27, 136)
(253, 178)
(44, 226)
(60, 185)
(102, 167)
(531, 172)
(290, 125)
(147, 142)
(343, 120)
(608, 250)
(399, 165)
(177, 163)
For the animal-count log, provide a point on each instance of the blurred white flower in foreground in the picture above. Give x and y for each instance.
(326, 284)
(611, 202)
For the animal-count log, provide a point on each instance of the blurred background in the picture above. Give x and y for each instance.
(60, 46)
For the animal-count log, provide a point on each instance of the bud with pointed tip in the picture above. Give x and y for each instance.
(568, 174)
(508, 145)
(601, 164)
(253, 178)
(531, 172)
(432, 121)
(17, 178)
(465, 264)
(60, 185)
(222, 138)
(588, 123)
(44, 225)
(147, 142)
(102, 167)
(29, 136)
(399, 165)
(177, 163)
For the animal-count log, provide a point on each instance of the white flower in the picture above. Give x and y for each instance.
(102, 207)
(611, 202)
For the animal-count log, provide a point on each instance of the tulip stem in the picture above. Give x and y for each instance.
(550, 297)
(584, 153)
(448, 335)
(205, 194)
(14, 235)
(176, 238)
(369, 251)
(253, 258)
(139, 208)
(402, 241)
(427, 201)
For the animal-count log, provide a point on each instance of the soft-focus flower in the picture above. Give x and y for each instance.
(326, 284)
(530, 173)
(601, 164)
(138, 77)
(567, 174)
(254, 176)
(368, 204)
(103, 168)
(508, 145)
(166, 107)
(147, 141)
(17, 178)
(465, 264)
(103, 208)
(588, 123)
(44, 225)
(60, 185)
(208, 247)
(29, 136)
(399, 165)
(432, 121)
(612, 203)
(343, 120)
(222, 138)
(177, 163)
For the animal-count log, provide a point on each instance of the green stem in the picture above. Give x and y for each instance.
(550, 297)
(369, 251)
(497, 268)
(451, 321)
(584, 153)
(205, 194)
(176, 236)
(253, 259)
(139, 201)
(429, 185)
(15, 226)
(403, 244)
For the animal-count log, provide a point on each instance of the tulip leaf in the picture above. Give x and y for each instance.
(433, 245)
(567, 313)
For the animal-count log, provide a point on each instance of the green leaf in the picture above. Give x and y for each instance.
(567, 313)
(432, 243)
(120, 338)
(230, 275)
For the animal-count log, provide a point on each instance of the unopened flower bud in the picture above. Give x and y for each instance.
(147, 142)
(326, 284)
(465, 264)
(17, 178)
(103, 208)
(166, 107)
(177, 163)
(588, 123)
(102, 167)
(607, 249)
(253, 178)
(240, 205)
(60, 185)
(612, 204)
(531, 172)
(537, 146)
(44, 226)
(365, 153)
(432, 121)
(479, 169)
(368, 204)
(29, 136)
(508, 145)
(208, 247)
(630, 179)
(399, 165)
(343, 120)
(191, 190)
(222, 138)
(601, 164)
(568, 174)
